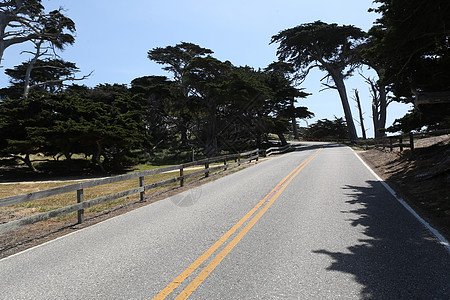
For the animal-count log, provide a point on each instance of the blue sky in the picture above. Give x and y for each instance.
(113, 38)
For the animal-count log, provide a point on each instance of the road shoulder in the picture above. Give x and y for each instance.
(401, 175)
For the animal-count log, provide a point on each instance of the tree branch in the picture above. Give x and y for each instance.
(61, 80)
(8, 3)
(327, 86)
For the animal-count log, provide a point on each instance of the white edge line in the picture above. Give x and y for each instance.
(45, 243)
(67, 235)
(436, 233)
(77, 231)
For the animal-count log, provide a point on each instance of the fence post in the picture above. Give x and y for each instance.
(225, 163)
(401, 142)
(390, 143)
(80, 199)
(181, 176)
(239, 159)
(207, 167)
(141, 184)
(257, 155)
(411, 142)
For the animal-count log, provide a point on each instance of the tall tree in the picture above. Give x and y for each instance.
(47, 75)
(26, 20)
(207, 76)
(160, 109)
(413, 39)
(379, 88)
(21, 121)
(361, 113)
(327, 129)
(177, 60)
(292, 112)
(330, 48)
(105, 122)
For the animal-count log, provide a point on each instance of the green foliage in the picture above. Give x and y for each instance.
(433, 117)
(46, 76)
(177, 58)
(20, 119)
(329, 47)
(43, 70)
(318, 44)
(209, 105)
(22, 21)
(327, 129)
(221, 106)
(413, 38)
(105, 122)
(410, 43)
(159, 107)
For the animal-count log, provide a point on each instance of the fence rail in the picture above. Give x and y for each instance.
(81, 205)
(402, 141)
(391, 142)
(276, 150)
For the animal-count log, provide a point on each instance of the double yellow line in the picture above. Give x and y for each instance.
(268, 200)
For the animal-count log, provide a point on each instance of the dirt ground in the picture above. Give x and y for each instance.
(422, 179)
(32, 235)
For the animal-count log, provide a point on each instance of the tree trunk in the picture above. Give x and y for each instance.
(282, 139)
(67, 155)
(376, 119)
(383, 110)
(98, 155)
(184, 138)
(211, 133)
(361, 118)
(339, 81)
(3, 24)
(379, 107)
(28, 162)
(26, 88)
(294, 121)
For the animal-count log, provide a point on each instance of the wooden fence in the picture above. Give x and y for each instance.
(401, 141)
(276, 150)
(81, 205)
(396, 141)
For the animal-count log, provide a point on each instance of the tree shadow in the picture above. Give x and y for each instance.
(400, 259)
(303, 146)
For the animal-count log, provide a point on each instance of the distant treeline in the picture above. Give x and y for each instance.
(210, 105)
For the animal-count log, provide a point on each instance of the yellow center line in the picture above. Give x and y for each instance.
(271, 197)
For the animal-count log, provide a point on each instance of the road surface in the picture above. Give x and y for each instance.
(311, 224)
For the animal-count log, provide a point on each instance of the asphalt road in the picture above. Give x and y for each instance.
(327, 230)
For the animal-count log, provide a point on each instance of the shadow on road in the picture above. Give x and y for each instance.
(399, 259)
(302, 146)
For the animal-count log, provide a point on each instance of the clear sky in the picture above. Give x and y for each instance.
(113, 38)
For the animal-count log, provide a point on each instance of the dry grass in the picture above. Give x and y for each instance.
(28, 236)
(24, 209)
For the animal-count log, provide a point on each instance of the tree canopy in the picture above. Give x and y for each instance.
(26, 20)
(413, 36)
(329, 47)
(411, 41)
(209, 104)
(327, 129)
